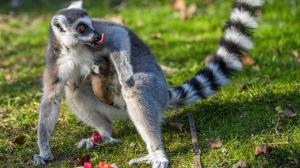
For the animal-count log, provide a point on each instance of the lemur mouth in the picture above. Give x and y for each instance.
(100, 40)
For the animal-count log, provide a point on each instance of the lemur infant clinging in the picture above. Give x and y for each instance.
(137, 87)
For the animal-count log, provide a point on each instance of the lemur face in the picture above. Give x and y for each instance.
(74, 27)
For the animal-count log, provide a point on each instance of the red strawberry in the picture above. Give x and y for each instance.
(87, 165)
(96, 137)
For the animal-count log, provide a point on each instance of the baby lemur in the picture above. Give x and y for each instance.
(117, 77)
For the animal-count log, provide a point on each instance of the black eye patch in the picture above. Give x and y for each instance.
(57, 24)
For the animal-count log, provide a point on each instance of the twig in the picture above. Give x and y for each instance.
(196, 148)
(276, 127)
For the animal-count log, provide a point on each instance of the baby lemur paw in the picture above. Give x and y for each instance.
(41, 160)
(130, 82)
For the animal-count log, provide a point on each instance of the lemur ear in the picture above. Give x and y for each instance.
(76, 5)
(59, 22)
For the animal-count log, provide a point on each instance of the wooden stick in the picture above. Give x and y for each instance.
(196, 148)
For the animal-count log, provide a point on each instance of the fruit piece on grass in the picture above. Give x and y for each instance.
(87, 165)
(106, 165)
(96, 137)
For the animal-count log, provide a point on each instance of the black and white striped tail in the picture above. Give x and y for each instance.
(227, 59)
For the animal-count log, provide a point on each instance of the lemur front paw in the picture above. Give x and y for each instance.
(42, 160)
(157, 159)
(88, 143)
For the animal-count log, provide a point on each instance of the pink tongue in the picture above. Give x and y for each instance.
(101, 39)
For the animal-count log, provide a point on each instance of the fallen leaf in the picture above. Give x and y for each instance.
(296, 56)
(224, 151)
(8, 77)
(208, 58)
(180, 5)
(247, 60)
(167, 70)
(191, 11)
(20, 140)
(243, 87)
(215, 143)
(156, 36)
(132, 144)
(262, 149)
(296, 53)
(275, 145)
(116, 19)
(177, 125)
(83, 159)
(2, 111)
(288, 113)
(139, 23)
(240, 164)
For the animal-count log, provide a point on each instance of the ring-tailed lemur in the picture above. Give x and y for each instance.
(71, 56)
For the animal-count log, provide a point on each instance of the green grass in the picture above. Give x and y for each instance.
(241, 119)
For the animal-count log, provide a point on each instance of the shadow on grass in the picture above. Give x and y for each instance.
(240, 121)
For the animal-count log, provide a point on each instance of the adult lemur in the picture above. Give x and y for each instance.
(132, 84)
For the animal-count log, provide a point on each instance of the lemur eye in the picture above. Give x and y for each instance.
(81, 28)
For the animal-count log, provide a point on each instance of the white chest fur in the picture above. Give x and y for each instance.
(74, 63)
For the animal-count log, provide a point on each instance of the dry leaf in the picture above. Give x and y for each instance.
(243, 87)
(167, 70)
(296, 53)
(2, 111)
(177, 125)
(132, 144)
(156, 36)
(20, 140)
(191, 11)
(181, 6)
(240, 164)
(215, 143)
(185, 12)
(296, 56)
(208, 58)
(247, 60)
(116, 19)
(262, 149)
(224, 151)
(288, 113)
(83, 159)
(8, 77)
(139, 23)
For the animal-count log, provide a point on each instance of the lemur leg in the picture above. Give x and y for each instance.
(48, 114)
(94, 113)
(145, 113)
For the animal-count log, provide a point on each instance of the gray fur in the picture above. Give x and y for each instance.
(141, 92)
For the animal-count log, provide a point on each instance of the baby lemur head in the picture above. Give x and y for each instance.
(73, 27)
